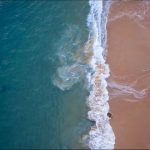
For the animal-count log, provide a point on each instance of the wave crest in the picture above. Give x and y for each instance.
(101, 135)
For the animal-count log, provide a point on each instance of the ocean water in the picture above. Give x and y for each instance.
(53, 75)
(38, 37)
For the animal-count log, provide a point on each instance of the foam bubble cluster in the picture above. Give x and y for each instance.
(101, 135)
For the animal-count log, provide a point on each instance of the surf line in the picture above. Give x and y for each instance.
(101, 135)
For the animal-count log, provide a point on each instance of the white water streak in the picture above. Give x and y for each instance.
(101, 135)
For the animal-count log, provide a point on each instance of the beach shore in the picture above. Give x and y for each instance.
(129, 61)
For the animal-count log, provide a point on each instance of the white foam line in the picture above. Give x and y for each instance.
(101, 135)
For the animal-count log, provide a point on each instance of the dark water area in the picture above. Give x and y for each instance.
(33, 112)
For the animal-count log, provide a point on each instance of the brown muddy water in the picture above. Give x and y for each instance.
(129, 84)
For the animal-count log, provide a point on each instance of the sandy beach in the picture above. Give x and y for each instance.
(129, 83)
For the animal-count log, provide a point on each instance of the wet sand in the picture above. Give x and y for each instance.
(129, 60)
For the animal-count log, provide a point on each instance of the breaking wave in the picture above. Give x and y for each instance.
(101, 135)
(89, 60)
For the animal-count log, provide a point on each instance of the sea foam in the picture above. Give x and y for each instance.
(101, 135)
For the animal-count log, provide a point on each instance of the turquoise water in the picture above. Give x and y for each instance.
(37, 109)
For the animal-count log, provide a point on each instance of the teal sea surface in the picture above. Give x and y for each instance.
(42, 101)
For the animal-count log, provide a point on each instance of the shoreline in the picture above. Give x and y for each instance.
(129, 58)
(101, 135)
